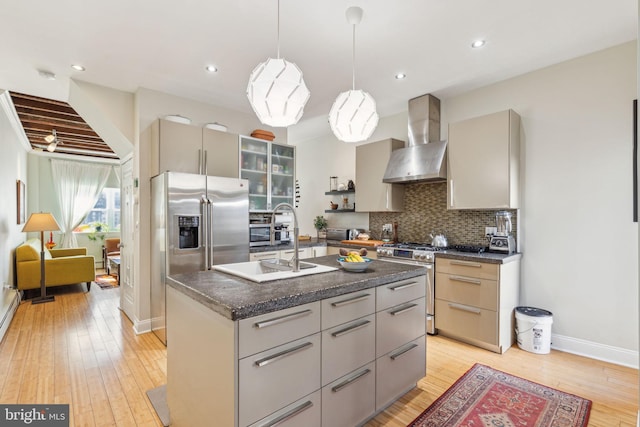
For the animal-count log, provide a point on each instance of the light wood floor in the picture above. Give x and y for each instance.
(82, 350)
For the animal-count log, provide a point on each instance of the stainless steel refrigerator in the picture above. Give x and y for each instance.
(196, 221)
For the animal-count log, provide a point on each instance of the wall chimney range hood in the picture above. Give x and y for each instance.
(424, 158)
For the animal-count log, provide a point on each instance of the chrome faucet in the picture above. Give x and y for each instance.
(296, 254)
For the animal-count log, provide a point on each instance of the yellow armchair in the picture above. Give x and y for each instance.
(61, 266)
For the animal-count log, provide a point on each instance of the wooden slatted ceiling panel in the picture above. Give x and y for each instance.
(39, 116)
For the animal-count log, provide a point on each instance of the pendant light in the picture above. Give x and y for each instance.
(276, 91)
(353, 116)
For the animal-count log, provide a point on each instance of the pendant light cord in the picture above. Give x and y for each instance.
(353, 58)
(278, 29)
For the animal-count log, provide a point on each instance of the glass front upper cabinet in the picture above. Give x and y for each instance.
(270, 169)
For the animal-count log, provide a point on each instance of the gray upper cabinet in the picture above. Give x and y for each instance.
(373, 195)
(221, 153)
(192, 149)
(483, 168)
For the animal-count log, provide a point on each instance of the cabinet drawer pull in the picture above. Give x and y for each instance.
(282, 354)
(466, 263)
(350, 328)
(465, 279)
(351, 380)
(403, 351)
(465, 308)
(402, 286)
(357, 298)
(403, 309)
(289, 414)
(265, 255)
(285, 318)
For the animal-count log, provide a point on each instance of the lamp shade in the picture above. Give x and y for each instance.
(353, 116)
(42, 221)
(277, 92)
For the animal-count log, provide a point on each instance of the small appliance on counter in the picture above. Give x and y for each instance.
(503, 241)
(338, 234)
(387, 233)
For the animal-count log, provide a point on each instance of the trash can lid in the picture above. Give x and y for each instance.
(534, 312)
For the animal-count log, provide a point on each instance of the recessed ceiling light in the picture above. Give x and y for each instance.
(78, 67)
(478, 43)
(400, 76)
(211, 68)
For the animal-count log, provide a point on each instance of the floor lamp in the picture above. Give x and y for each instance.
(41, 222)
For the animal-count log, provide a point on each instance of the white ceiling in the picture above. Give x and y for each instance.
(165, 44)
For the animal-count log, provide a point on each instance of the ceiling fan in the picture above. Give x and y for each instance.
(53, 141)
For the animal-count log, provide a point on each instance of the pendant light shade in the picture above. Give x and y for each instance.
(277, 92)
(353, 116)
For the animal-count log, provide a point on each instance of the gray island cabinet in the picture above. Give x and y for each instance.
(332, 349)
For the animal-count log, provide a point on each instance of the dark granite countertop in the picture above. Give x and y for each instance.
(236, 298)
(488, 257)
(301, 244)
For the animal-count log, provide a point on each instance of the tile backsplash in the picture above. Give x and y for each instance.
(425, 211)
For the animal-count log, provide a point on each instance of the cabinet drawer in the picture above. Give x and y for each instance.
(348, 346)
(349, 401)
(400, 324)
(396, 293)
(399, 370)
(481, 293)
(481, 270)
(273, 379)
(269, 330)
(343, 308)
(304, 412)
(467, 321)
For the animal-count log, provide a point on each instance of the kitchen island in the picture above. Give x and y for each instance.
(329, 349)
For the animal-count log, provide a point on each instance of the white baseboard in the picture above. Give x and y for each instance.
(11, 301)
(593, 350)
(142, 327)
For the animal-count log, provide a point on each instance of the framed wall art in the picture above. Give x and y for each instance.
(21, 202)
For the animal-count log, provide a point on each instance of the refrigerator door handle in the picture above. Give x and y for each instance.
(210, 233)
(205, 229)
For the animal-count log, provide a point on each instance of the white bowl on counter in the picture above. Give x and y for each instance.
(357, 267)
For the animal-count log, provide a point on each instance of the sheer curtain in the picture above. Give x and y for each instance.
(77, 186)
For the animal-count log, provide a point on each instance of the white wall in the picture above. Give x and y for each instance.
(13, 166)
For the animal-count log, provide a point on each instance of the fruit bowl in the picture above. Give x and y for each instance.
(355, 266)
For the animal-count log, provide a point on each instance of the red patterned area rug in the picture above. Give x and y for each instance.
(485, 397)
(106, 281)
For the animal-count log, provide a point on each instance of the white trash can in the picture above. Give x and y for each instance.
(533, 329)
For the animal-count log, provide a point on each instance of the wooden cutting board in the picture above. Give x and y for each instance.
(370, 243)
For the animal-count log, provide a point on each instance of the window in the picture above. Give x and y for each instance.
(106, 211)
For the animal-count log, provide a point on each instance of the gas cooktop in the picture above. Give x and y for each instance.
(428, 247)
(415, 246)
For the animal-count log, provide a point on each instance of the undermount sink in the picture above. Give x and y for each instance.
(272, 269)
